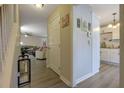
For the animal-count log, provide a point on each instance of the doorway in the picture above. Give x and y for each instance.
(54, 43)
(109, 41)
(38, 47)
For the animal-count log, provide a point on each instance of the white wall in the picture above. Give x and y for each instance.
(82, 64)
(38, 27)
(85, 63)
(32, 40)
(76, 54)
(95, 43)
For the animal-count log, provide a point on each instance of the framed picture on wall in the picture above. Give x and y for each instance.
(89, 26)
(84, 25)
(78, 23)
(65, 21)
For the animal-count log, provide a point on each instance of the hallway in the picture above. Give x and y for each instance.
(42, 77)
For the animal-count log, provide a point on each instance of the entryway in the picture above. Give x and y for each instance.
(72, 54)
(43, 77)
(38, 48)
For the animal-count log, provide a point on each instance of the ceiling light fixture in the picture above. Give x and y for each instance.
(114, 24)
(39, 5)
(21, 43)
(26, 35)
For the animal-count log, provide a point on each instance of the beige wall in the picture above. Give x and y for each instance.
(0, 41)
(122, 46)
(65, 42)
(32, 40)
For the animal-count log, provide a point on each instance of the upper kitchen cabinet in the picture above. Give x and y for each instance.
(105, 29)
(116, 33)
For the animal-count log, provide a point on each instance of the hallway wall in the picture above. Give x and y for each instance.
(65, 43)
(77, 62)
(82, 50)
(0, 66)
(122, 46)
(86, 43)
(33, 20)
(0, 40)
(32, 40)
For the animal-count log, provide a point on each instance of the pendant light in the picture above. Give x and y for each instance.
(114, 24)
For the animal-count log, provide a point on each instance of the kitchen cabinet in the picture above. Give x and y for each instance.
(116, 33)
(110, 55)
(105, 29)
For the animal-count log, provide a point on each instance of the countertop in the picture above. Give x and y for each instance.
(109, 48)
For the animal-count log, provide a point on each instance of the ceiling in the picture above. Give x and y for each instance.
(104, 12)
(34, 20)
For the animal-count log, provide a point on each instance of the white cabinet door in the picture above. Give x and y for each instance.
(114, 56)
(110, 55)
(116, 33)
(104, 55)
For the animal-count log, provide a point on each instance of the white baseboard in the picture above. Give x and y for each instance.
(47, 66)
(85, 77)
(67, 82)
(110, 63)
(54, 69)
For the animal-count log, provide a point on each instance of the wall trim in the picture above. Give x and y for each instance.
(85, 77)
(67, 82)
(110, 63)
(48, 66)
(54, 69)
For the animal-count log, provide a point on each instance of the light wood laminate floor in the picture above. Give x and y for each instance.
(108, 77)
(43, 77)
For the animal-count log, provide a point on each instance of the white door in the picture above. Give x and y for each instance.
(54, 43)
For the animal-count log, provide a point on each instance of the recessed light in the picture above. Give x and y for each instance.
(21, 43)
(26, 35)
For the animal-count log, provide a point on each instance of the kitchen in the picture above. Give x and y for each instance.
(110, 43)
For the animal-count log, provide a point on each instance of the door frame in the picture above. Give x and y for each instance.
(48, 62)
